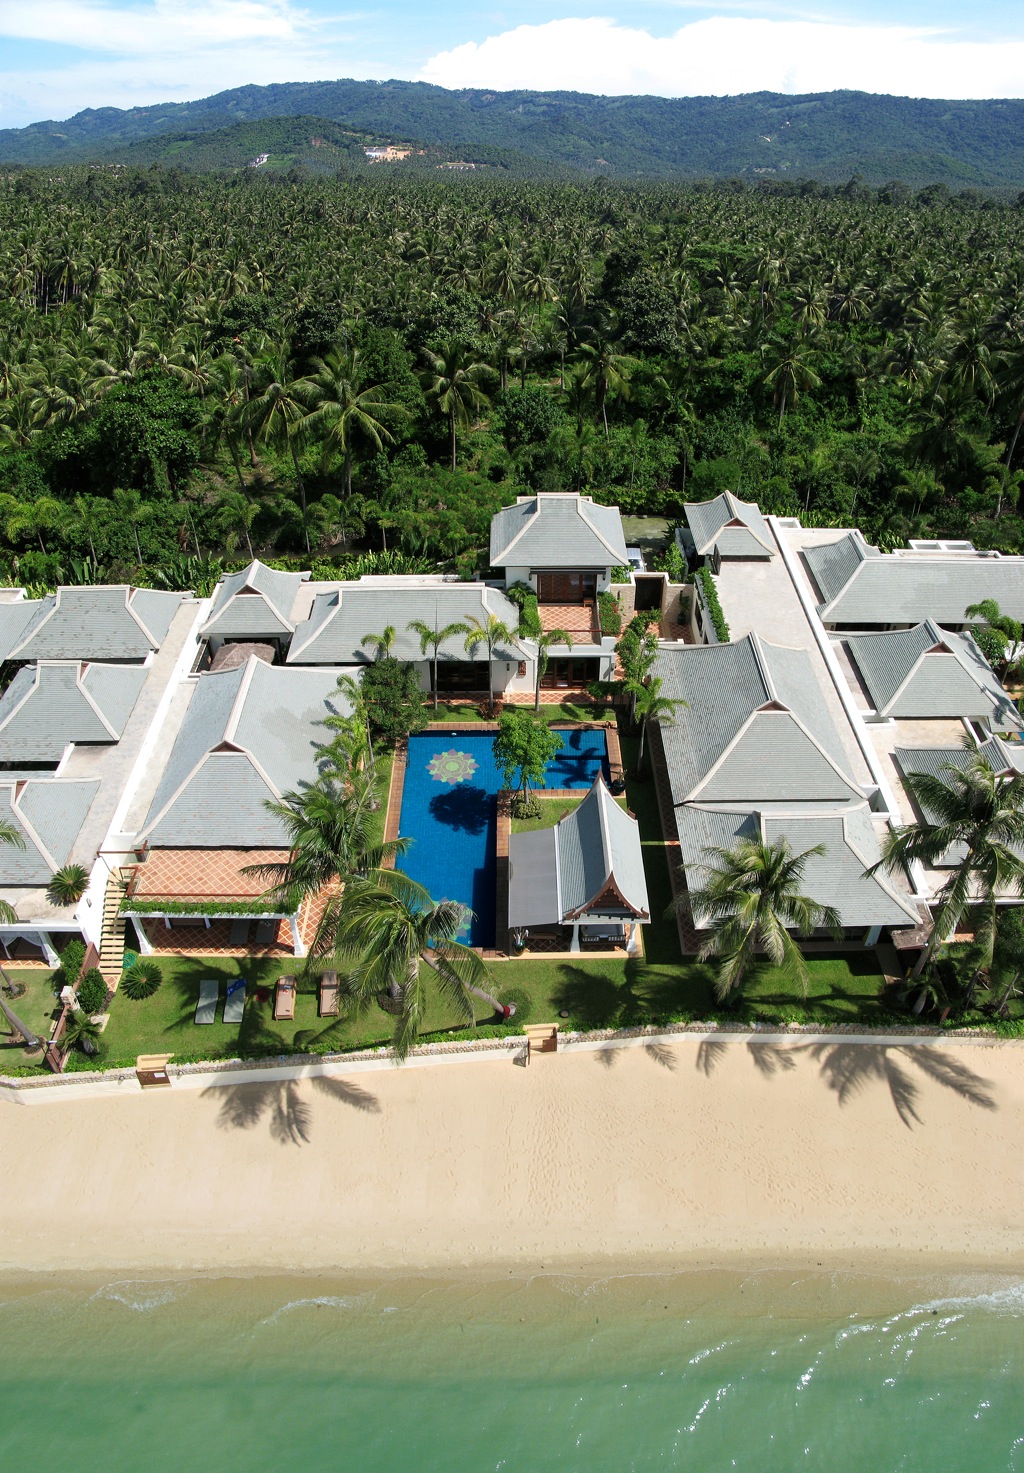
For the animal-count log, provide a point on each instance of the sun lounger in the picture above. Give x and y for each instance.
(330, 995)
(266, 932)
(206, 1008)
(239, 933)
(284, 998)
(234, 1006)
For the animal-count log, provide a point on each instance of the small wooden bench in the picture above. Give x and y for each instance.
(151, 1070)
(541, 1038)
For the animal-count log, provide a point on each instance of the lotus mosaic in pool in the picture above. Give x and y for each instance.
(449, 811)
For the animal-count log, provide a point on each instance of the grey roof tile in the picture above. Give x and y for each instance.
(861, 586)
(248, 734)
(929, 672)
(15, 617)
(735, 527)
(340, 620)
(91, 623)
(723, 745)
(558, 530)
(254, 603)
(49, 814)
(49, 705)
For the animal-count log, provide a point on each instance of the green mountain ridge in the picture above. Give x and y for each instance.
(828, 136)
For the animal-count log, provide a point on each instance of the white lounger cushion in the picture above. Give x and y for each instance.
(206, 1010)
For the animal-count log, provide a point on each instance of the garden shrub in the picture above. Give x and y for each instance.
(141, 980)
(714, 608)
(71, 959)
(609, 612)
(92, 994)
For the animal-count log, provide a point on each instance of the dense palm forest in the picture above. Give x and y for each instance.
(193, 368)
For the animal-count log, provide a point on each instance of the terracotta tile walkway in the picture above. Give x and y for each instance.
(576, 619)
(214, 940)
(213, 874)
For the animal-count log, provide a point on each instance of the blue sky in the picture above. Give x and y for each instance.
(58, 56)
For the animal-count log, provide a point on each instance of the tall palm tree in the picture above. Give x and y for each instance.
(790, 367)
(749, 903)
(492, 633)
(432, 637)
(606, 371)
(396, 933)
(980, 812)
(548, 637)
(652, 705)
(1008, 630)
(454, 382)
(342, 412)
(275, 415)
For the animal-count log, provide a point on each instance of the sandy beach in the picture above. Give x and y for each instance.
(695, 1151)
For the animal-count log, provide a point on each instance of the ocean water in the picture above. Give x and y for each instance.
(707, 1371)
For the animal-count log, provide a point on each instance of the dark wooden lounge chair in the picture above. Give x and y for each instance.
(330, 995)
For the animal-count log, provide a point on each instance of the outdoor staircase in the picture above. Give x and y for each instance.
(112, 933)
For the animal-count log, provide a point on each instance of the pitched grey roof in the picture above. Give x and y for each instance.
(98, 622)
(860, 585)
(1004, 756)
(928, 672)
(588, 864)
(755, 727)
(557, 530)
(49, 705)
(49, 814)
(340, 619)
(248, 735)
(735, 527)
(15, 618)
(255, 603)
(835, 878)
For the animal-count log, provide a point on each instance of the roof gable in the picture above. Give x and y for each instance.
(600, 860)
(559, 529)
(929, 672)
(49, 814)
(774, 758)
(96, 622)
(255, 602)
(340, 620)
(737, 528)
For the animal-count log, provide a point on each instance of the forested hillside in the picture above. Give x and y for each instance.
(828, 136)
(193, 368)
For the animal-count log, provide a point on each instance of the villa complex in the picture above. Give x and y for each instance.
(143, 734)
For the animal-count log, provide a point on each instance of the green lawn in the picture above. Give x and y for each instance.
(552, 811)
(37, 1007)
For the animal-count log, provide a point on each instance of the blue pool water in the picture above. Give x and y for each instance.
(450, 812)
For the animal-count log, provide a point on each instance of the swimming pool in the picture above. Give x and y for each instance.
(450, 812)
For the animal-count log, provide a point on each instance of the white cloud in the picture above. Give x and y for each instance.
(175, 25)
(726, 56)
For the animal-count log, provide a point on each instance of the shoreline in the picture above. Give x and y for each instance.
(703, 1153)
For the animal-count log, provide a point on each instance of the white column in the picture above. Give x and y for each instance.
(298, 949)
(873, 933)
(633, 938)
(575, 937)
(145, 945)
(49, 950)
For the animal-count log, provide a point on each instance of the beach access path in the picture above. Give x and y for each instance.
(703, 1148)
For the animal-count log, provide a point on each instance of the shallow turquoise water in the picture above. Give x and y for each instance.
(698, 1371)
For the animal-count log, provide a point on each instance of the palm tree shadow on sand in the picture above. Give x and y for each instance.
(281, 1103)
(848, 1068)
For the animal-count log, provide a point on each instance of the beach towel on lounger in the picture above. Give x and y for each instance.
(234, 1006)
(206, 1008)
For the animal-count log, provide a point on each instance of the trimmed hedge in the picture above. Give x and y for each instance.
(609, 613)
(92, 994)
(714, 607)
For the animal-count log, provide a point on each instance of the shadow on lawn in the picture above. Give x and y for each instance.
(638, 994)
(256, 1037)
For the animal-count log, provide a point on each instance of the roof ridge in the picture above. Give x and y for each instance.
(27, 823)
(534, 515)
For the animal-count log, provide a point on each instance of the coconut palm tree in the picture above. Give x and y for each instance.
(652, 705)
(749, 903)
(381, 644)
(397, 935)
(979, 812)
(431, 638)
(453, 381)
(1007, 631)
(341, 412)
(546, 639)
(492, 633)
